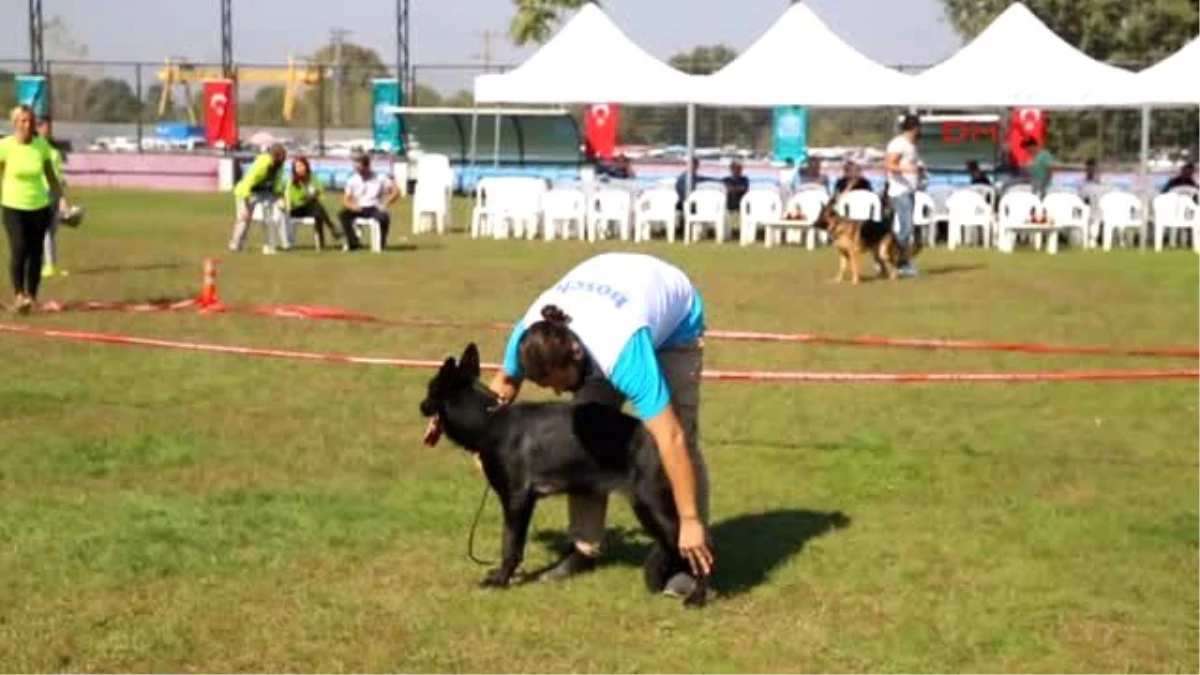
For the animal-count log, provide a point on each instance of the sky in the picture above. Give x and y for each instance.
(451, 31)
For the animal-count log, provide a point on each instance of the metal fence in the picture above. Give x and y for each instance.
(121, 105)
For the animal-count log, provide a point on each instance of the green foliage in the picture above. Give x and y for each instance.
(534, 21)
(112, 100)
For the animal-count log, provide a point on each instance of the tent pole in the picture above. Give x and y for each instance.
(1144, 164)
(691, 147)
(474, 134)
(496, 142)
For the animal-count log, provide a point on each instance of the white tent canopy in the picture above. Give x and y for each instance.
(1017, 61)
(1173, 81)
(800, 61)
(590, 60)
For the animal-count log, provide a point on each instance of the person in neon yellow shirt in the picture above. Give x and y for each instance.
(27, 181)
(303, 197)
(261, 185)
(49, 268)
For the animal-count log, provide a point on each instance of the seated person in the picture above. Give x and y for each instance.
(1041, 168)
(977, 176)
(852, 179)
(1185, 178)
(367, 195)
(736, 186)
(1091, 187)
(303, 193)
(681, 182)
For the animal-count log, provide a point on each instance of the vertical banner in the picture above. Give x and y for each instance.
(220, 114)
(31, 91)
(600, 123)
(789, 135)
(1025, 123)
(385, 92)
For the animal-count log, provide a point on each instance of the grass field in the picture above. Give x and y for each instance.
(172, 511)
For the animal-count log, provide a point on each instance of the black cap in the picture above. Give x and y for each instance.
(910, 122)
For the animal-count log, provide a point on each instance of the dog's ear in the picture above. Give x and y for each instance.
(448, 366)
(469, 363)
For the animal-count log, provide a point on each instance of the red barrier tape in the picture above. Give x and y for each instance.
(720, 375)
(334, 314)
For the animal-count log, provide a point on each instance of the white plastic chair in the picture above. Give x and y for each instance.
(758, 205)
(704, 207)
(1175, 211)
(564, 208)
(290, 225)
(1068, 212)
(508, 206)
(1121, 211)
(924, 217)
(435, 184)
(1017, 211)
(988, 192)
(808, 205)
(967, 210)
(371, 230)
(860, 205)
(654, 207)
(608, 208)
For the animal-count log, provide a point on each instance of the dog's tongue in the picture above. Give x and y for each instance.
(433, 432)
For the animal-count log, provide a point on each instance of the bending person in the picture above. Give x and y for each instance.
(623, 326)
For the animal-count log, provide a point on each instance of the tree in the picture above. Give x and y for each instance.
(1132, 35)
(351, 83)
(111, 100)
(534, 20)
(8, 90)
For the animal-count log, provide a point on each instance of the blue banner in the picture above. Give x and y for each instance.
(789, 136)
(31, 91)
(384, 93)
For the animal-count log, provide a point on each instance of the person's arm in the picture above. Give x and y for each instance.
(52, 179)
(507, 382)
(393, 193)
(348, 200)
(638, 376)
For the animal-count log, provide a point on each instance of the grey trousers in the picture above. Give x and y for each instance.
(681, 367)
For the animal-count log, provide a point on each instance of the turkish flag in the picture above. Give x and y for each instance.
(220, 113)
(600, 129)
(1025, 123)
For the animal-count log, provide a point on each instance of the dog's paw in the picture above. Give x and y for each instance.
(495, 579)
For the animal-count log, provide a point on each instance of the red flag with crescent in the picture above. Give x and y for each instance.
(220, 113)
(1025, 123)
(600, 124)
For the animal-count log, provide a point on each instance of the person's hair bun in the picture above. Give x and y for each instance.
(553, 314)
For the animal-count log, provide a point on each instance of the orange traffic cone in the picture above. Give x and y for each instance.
(208, 292)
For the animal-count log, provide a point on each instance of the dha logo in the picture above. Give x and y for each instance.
(575, 286)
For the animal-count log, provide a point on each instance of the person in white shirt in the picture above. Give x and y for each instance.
(903, 166)
(618, 327)
(367, 195)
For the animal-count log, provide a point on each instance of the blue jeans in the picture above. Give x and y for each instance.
(905, 206)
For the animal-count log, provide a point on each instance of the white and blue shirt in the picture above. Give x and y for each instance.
(624, 307)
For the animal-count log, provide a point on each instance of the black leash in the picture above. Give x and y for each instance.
(471, 537)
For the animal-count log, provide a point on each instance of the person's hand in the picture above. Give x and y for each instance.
(693, 545)
(433, 432)
(63, 205)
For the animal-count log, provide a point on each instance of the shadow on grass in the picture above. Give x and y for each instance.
(748, 547)
(951, 269)
(113, 269)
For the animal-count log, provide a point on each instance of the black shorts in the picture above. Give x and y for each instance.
(305, 210)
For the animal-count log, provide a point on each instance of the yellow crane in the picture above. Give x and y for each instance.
(183, 73)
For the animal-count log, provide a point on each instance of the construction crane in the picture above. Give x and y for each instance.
(183, 73)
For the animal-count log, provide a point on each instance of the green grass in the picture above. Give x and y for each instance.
(173, 511)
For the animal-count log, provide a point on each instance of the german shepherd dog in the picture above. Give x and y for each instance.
(534, 450)
(853, 238)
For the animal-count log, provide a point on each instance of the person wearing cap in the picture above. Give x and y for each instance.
(903, 167)
(263, 186)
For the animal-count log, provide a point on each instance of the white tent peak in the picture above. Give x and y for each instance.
(824, 70)
(1018, 61)
(589, 60)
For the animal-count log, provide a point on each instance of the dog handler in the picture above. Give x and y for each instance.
(617, 327)
(27, 181)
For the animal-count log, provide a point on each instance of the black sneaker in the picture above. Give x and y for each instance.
(569, 565)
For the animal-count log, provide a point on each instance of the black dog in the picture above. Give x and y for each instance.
(533, 450)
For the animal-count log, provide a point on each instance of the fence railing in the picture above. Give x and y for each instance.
(141, 107)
